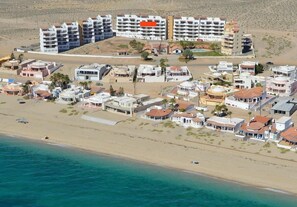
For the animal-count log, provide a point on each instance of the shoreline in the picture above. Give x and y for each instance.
(117, 156)
(220, 155)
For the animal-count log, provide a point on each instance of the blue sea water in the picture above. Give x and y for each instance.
(41, 175)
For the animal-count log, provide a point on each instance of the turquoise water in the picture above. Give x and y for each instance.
(41, 175)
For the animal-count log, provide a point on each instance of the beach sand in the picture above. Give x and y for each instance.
(219, 154)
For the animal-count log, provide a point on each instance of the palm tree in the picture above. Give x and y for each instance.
(163, 64)
(164, 102)
(172, 102)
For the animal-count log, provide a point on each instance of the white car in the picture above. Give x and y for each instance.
(200, 108)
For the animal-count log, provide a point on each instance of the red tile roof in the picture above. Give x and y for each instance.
(262, 119)
(159, 112)
(249, 93)
(290, 134)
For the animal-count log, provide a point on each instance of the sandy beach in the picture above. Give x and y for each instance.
(162, 144)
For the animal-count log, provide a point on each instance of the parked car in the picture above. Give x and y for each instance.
(269, 63)
(22, 121)
(200, 108)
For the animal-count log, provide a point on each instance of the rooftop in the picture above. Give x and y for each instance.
(222, 121)
(290, 134)
(159, 112)
(249, 93)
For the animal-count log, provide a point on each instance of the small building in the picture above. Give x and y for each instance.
(285, 71)
(222, 67)
(123, 105)
(93, 72)
(281, 86)
(150, 73)
(39, 69)
(224, 124)
(247, 81)
(289, 139)
(188, 119)
(258, 128)
(284, 105)
(41, 91)
(246, 98)
(14, 89)
(73, 95)
(122, 73)
(281, 125)
(177, 74)
(96, 100)
(158, 114)
(215, 95)
(248, 67)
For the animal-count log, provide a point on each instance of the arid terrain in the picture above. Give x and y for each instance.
(272, 22)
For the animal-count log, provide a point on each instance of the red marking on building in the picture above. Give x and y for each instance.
(148, 24)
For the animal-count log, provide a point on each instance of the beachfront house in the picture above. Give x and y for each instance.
(224, 124)
(284, 105)
(93, 72)
(246, 98)
(281, 124)
(14, 89)
(248, 67)
(257, 128)
(123, 105)
(39, 69)
(289, 139)
(96, 100)
(129, 105)
(188, 119)
(150, 73)
(41, 91)
(177, 74)
(157, 113)
(72, 95)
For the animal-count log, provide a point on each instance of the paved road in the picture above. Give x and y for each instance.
(173, 60)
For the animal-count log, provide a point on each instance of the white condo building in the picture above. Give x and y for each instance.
(96, 29)
(48, 40)
(197, 28)
(59, 38)
(130, 26)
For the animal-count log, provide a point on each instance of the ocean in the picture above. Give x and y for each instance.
(34, 174)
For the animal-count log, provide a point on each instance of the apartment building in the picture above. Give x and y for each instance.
(96, 29)
(211, 28)
(73, 34)
(59, 38)
(142, 27)
(48, 40)
(232, 40)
